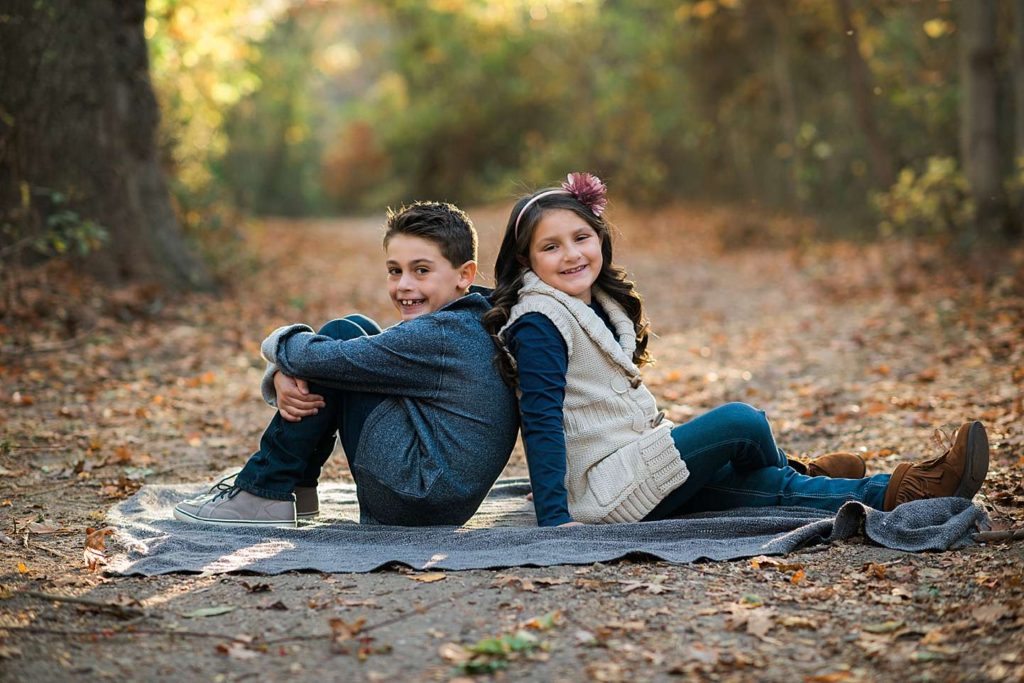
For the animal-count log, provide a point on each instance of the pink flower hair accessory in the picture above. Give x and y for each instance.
(588, 189)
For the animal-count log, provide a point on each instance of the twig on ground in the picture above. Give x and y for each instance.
(126, 629)
(416, 611)
(121, 611)
(1006, 535)
(53, 552)
(47, 347)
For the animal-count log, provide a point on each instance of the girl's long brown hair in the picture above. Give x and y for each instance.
(510, 266)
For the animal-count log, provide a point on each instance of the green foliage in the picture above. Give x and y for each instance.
(46, 225)
(933, 201)
(358, 104)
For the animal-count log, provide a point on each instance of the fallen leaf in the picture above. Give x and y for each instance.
(342, 631)
(989, 613)
(883, 627)
(43, 527)
(793, 621)
(652, 588)
(429, 577)
(236, 650)
(22, 568)
(95, 543)
(544, 623)
(759, 622)
(454, 653)
(256, 587)
(834, 677)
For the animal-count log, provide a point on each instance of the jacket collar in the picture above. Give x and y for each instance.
(620, 346)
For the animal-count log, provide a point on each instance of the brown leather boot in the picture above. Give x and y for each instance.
(958, 472)
(835, 465)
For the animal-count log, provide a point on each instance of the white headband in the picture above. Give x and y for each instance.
(531, 203)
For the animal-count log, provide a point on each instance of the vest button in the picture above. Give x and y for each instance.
(619, 384)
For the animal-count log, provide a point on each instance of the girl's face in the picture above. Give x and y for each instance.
(565, 253)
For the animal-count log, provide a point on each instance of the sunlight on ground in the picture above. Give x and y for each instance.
(246, 556)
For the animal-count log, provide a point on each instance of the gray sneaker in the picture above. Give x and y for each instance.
(231, 506)
(307, 502)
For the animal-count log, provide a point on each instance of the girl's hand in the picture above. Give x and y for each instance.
(294, 401)
(572, 524)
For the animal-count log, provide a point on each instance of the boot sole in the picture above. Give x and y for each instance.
(976, 465)
(277, 523)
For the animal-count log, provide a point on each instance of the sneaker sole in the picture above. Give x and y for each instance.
(308, 515)
(188, 517)
(976, 465)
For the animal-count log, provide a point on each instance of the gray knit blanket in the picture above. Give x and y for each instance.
(503, 533)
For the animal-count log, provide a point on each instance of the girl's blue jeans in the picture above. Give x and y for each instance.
(734, 462)
(293, 453)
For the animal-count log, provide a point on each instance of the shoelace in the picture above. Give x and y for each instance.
(224, 480)
(943, 440)
(224, 489)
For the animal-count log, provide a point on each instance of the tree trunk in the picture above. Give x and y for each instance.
(789, 115)
(979, 144)
(862, 92)
(1016, 224)
(78, 117)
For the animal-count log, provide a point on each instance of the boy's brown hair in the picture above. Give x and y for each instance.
(446, 225)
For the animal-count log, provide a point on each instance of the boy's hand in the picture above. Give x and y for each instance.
(294, 401)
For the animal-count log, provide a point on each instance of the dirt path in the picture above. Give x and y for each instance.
(865, 348)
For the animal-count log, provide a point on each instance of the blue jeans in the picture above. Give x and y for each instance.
(734, 462)
(293, 453)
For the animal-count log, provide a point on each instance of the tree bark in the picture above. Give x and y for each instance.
(979, 143)
(78, 116)
(789, 114)
(862, 93)
(1016, 224)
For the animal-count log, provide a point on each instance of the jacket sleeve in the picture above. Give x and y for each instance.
(542, 361)
(408, 359)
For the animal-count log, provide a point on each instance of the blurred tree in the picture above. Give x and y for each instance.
(862, 94)
(979, 134)
(77, 126)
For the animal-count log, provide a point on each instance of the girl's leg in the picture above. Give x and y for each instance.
(292, 453)
(736, 434)
(773, 486)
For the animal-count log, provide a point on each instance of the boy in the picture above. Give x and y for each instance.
(425, 420)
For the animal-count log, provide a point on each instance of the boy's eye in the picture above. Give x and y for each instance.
(422, 271)
(394, 271)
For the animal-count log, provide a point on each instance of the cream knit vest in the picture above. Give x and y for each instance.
(620, 458)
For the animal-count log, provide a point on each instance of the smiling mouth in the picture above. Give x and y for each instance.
(411, 302)
(573, 271)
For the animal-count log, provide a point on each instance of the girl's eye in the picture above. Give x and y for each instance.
(548, 247)
(583, 236)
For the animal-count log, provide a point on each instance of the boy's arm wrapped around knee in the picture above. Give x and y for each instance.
(408, 359)
(267, 384)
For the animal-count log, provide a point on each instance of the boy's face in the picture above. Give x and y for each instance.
(420, 279)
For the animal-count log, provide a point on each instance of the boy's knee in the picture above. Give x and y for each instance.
(369, 325)
(342, 328)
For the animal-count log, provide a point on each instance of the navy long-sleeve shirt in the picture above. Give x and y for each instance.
(542, 360)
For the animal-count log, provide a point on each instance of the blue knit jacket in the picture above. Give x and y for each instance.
(429, 453)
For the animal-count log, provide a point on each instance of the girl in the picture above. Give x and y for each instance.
(572, 336)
